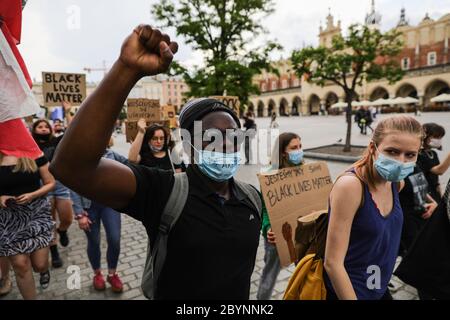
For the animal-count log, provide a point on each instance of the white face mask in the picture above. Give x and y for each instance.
(435, 143)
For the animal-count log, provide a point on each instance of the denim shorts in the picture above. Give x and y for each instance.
(60, 192)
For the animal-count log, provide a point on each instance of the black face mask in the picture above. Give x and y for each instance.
(43, 137)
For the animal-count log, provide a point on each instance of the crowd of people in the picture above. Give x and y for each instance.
(210, 252)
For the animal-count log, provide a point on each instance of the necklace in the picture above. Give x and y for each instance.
(430, 154)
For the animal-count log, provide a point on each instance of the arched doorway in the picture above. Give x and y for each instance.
(296, 104)
(260, 109)
(406, 90)
(272, 107)
(331, 98)
(435, 88)
(379, 93)
(284, 106)
(251, 107)
(314, 105)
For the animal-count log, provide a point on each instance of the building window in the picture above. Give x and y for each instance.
(263, 87)
(432, 58)
(405, 63)
(274, 85)
(284, 84)
(296, 83)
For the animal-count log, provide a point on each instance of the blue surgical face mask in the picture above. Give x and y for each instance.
(218, 166)
(296, 157)
(393, 170)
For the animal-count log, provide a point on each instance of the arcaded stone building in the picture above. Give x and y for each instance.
(425, 58)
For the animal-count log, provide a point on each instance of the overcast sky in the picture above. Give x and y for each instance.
(52, 40)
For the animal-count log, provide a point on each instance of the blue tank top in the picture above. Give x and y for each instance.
(373, 247)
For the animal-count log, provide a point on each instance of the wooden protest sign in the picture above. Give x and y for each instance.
(131, 128)
(231, 102)
(292, 193)
(168, 113)
(59, 87)
(147, 109)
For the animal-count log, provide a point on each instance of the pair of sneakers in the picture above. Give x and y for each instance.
(113, 280)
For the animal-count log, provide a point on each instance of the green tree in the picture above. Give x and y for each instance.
(225, 31)
(364, 54)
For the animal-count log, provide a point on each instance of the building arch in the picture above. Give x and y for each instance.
(271, 107)
(314, 104)
(296, 105)
(406, 90)
(260, 113)
(379, 93)
(284, 107)
(330, 99)
(435, 88)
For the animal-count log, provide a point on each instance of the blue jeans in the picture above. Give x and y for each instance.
(112, 223)
(270, 272)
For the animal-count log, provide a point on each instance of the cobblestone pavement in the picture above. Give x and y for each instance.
(134, 238)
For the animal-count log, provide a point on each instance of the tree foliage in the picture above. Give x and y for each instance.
(364, 54)
(224, 31)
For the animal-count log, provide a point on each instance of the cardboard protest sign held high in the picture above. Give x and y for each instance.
(131, 128)
(59, 87)
(231, 102)
(292, 193)
(147, 109)
(168, 113)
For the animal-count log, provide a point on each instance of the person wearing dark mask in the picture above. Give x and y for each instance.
(428, 160)
(212, 248)
(151, 148)
(42, 133)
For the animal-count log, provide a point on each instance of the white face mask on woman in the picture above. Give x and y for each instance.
(435, 143)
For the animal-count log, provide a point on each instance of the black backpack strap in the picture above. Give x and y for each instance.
(252, 194)
(172, 211)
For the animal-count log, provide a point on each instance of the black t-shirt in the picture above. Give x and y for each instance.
(427, 160)
(249, 123)
(17, 183)
(149, 160)
(212, 248)
(413, 196)
(49, 147)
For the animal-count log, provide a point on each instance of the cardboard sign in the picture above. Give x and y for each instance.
(169, 113)
(131, 128)
(231, 102)
(59, 87)
(292, 193)
(147, 109)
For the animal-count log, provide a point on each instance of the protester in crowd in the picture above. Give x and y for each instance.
(249, 125)
(364, 231)
(5, 279)
(360, 119)
(273, 121)
(61, 203)
(212, 248)
(418, 206)
(90, 215)
(58, 127)
(369, 119)
(26, 227)
(152, 147)
(287, 152)
(373, 112)
(429, 160)
(425, 266)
